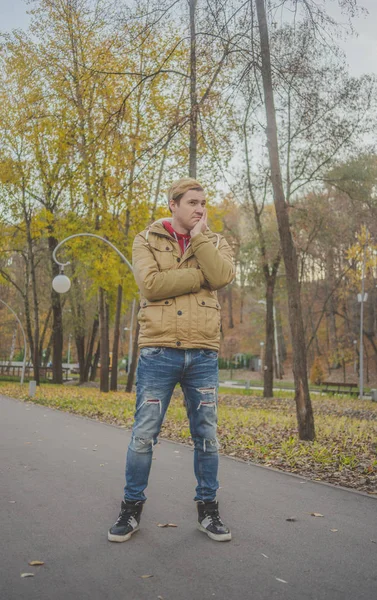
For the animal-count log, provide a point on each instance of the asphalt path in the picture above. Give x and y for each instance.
(61, 487)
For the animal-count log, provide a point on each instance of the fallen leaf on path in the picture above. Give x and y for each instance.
(35, 563)
(333, 530)
(160, 598)
(146, 576)
(27, 574)
(166, 525)
(316, 515)
(265, 555)
(281, 580)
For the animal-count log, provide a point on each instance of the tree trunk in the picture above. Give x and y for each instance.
(268, 374)
(331, 285)
(132, 369)
(78, 314)
(29, 330)
(93, 371)
(114, 369)
(48, 351)
(104, 338)
(35, 355)
(57, 322)
(193, 94)
(80, 348)
(89, 354)
(44, 331)
(303, 404)
(280, 335)
(242, 291)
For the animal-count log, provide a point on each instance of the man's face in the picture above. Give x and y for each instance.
(190, 209)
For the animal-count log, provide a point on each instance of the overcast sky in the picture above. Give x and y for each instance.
(361, 51)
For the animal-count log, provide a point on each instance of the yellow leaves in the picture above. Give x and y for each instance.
(363, 248)
(9, 172)
(216, 214)
(42, 223)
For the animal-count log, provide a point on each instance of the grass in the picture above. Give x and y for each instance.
(16, 379)
(251, 428)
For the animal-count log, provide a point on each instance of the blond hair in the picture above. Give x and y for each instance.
(180, 187)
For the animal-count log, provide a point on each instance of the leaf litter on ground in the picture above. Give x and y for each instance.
(251, 428)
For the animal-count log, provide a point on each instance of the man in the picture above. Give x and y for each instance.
(178, 266)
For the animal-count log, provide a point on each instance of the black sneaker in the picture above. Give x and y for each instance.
(127, 522)
(210, 522)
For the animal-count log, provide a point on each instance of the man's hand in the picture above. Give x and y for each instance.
(201, 225)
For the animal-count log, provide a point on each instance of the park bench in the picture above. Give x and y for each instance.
(332, 387)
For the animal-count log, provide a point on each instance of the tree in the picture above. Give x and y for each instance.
(303, 404)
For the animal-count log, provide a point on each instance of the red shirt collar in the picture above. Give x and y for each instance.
(183, 239)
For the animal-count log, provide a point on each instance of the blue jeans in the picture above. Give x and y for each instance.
(159, 370)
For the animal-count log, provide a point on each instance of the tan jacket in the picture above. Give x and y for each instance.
(179, 306)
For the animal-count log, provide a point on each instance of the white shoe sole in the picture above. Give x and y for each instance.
(224, 537)
(121, 538)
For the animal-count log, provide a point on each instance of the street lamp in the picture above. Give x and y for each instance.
(363, 297)
(24, 336)
(61, 283)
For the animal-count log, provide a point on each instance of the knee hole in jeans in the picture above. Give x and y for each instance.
(141, 445)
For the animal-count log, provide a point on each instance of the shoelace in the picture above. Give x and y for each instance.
(214, 516)
(123, 515)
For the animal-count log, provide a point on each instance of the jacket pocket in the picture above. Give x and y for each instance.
(155, 317)
(164, 256)
(208, 317)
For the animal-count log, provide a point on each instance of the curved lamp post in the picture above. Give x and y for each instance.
(23, 333)
(61, 283)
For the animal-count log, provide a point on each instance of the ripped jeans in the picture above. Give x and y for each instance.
(159, 370)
